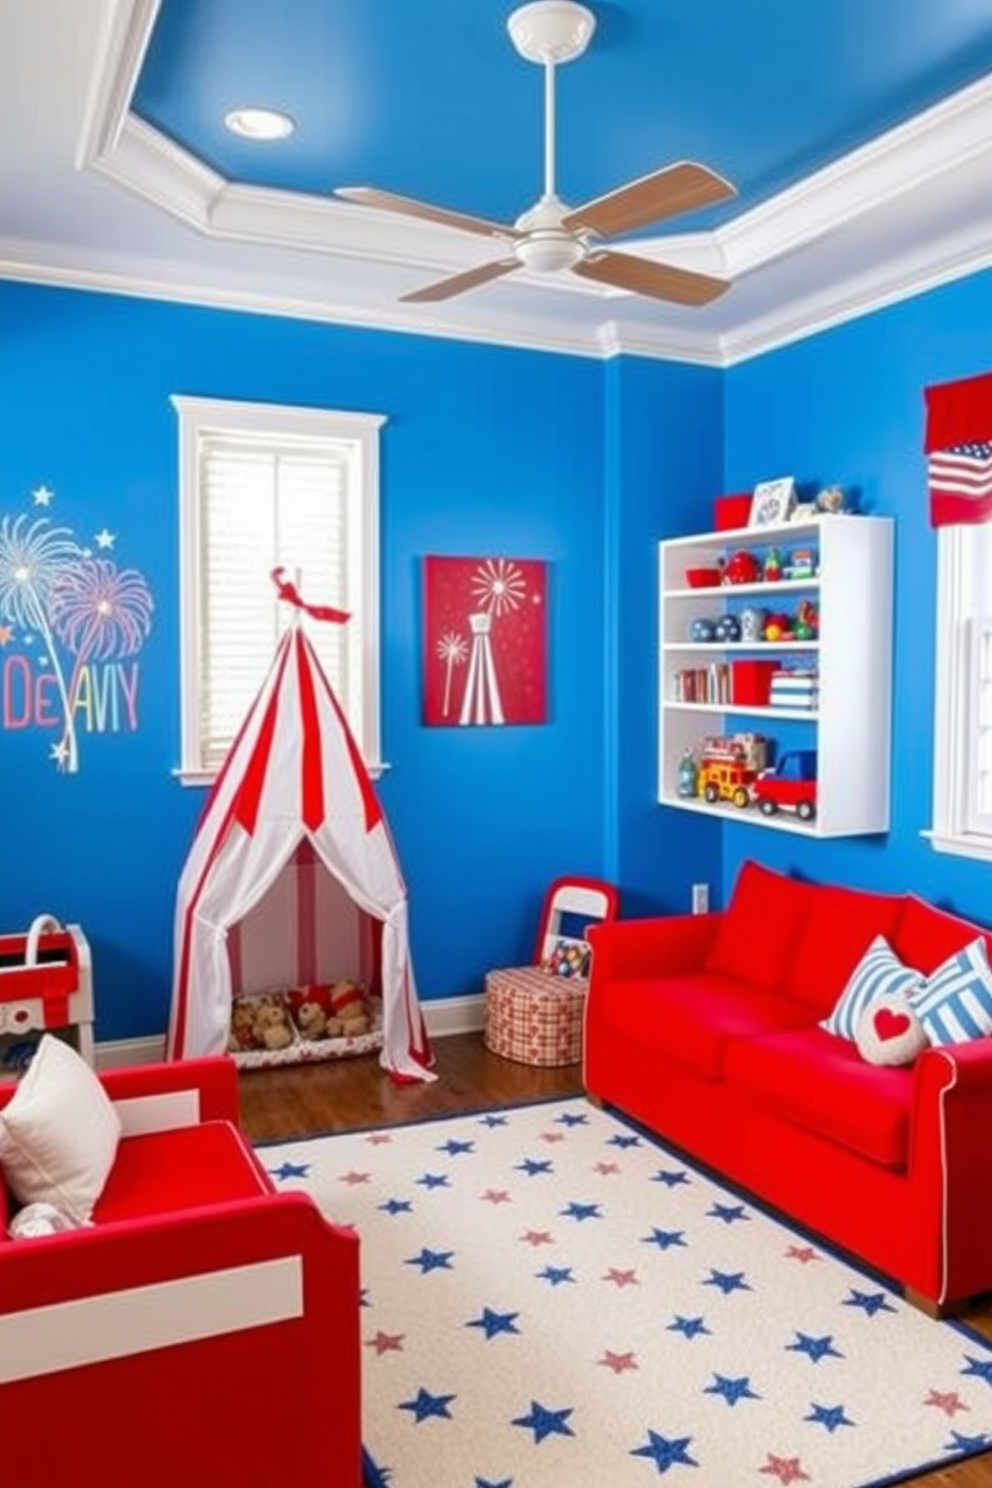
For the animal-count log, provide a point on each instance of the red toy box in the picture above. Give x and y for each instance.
(751, 682)
(732, 511)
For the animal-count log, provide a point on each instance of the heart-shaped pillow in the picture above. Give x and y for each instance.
(889, 1032)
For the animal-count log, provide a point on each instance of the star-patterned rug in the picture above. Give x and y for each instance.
(553, 1300)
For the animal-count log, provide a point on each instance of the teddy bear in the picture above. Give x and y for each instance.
(272, 1028)
(310, 1007)
(311, 1020)
(241, 1036)
(348, 1008)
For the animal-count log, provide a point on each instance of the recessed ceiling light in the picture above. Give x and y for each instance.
(259, 124)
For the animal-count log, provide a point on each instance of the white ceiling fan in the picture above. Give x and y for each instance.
(551, 236)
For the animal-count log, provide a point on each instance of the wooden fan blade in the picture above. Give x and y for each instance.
(446, 289)
(677, 188)
(408, 206)
(659, 281)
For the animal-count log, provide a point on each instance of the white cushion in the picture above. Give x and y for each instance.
(889, 1032)
(59, 1132)
(879, 973)
(955, 1003)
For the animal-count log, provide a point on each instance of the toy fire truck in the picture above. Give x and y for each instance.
(729, 765)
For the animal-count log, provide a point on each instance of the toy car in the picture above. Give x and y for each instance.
(788, 785)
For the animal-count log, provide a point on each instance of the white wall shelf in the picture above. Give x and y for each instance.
(850, 728)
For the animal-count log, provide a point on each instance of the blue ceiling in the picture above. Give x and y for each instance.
(429, 99)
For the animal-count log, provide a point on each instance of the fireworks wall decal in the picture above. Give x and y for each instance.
(485, 641)
(68, 621)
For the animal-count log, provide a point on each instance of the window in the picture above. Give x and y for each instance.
(262, 487)
(962, 808)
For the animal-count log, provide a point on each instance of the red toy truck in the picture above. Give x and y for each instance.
(788, 785)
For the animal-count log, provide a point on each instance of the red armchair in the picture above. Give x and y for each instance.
(203, 1331)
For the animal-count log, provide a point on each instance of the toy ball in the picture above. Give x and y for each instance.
(741, 568)
(702, 630)
(728, 628)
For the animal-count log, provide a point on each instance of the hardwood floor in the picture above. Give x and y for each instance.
(352, 1093)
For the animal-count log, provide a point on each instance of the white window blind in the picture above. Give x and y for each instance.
(963, 728)
(262, 508)
(979, 755)
(262, 488)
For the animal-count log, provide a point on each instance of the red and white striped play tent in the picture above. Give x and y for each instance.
(292, 876)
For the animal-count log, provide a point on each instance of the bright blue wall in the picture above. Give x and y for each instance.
(487, 451)
(847, 406)
(664, 447)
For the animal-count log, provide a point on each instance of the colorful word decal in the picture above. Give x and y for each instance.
(71, 627)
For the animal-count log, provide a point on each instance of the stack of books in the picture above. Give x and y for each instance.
(703, 684)
(795, 687)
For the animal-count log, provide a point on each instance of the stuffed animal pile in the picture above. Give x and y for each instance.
(274, 1021)
(261, 1022)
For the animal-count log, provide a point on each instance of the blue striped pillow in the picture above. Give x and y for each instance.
(955, 1003)
(879, 973)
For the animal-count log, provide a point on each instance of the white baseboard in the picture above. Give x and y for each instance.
(445, 1016)
(114, 1053)
(454, 1015)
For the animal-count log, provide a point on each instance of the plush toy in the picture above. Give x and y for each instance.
(348, 1008)
(42, 1218)
(310, 1007)
(311, 1020)
(272, 1027)
(241, 1036)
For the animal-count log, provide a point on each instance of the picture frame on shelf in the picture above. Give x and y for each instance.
(772, 502)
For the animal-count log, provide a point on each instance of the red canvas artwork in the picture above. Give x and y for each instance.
(484, 641)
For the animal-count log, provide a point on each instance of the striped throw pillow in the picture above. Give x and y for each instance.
(954, 1004)
(879, 973)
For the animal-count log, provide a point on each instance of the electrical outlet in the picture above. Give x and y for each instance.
(700, 898)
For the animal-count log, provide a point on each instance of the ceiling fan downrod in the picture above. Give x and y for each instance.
(549, 32)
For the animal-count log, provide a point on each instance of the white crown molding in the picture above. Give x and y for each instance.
(876, 288)
(901, 161)
(671, 343)
(40, 263)
(155, 169)
(121, 51)
(891, 219)
(37, 263)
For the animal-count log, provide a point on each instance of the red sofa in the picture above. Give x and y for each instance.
(706, 1030)
(203, 1331)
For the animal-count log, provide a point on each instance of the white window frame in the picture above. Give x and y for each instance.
(359, 433)
(963, 618)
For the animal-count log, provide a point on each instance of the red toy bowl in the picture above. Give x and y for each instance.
(702, 578)
(732, 511)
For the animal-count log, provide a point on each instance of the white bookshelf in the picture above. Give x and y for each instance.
(850, 727)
